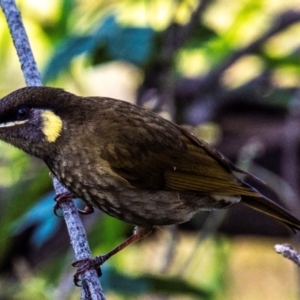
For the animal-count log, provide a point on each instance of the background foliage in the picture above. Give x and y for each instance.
(228, 69)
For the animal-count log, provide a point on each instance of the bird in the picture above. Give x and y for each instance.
(127, 161)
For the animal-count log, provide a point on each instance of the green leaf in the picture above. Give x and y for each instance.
(110, 41)
(65, 53)
(41, 215)
(128, 285)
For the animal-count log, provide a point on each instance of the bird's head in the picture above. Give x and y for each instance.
(32, 118)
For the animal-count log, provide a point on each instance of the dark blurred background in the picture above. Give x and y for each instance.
(230, 72)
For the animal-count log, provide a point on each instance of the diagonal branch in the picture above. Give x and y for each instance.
(282, 22)
(91, 287)
(210, 81)
(20, 39)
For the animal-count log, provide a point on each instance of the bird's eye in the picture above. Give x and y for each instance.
(23, 113)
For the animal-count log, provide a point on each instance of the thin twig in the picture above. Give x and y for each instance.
(91, 287)
(174, 37)
(287, 251)
(185, 31)
(209, 228)
(290, 146)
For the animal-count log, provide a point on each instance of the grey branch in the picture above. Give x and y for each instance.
(91, 287)
(20, 39)
(287, 251)
(78, 238)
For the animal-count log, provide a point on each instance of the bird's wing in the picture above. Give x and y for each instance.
(166, 156)
(210, 171)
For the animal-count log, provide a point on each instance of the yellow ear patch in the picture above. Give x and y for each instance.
(52, 125)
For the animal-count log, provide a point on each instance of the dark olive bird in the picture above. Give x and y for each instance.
(125, 160)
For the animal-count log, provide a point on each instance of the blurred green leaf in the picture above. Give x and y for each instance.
(132, 286)
(42, 217)
(202, 34)
(65, 53)
(131, 44)
(110, 41)
(292, 60)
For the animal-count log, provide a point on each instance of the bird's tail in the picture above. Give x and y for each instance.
(268, 207)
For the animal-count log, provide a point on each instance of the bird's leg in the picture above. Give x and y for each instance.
(89, 263)
(88, 209)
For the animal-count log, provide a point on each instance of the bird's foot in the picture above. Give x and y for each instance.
(86, 264)
(64, 197)
(88, 209)
(94, 263)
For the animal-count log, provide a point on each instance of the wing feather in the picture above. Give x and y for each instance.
(156, 154)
